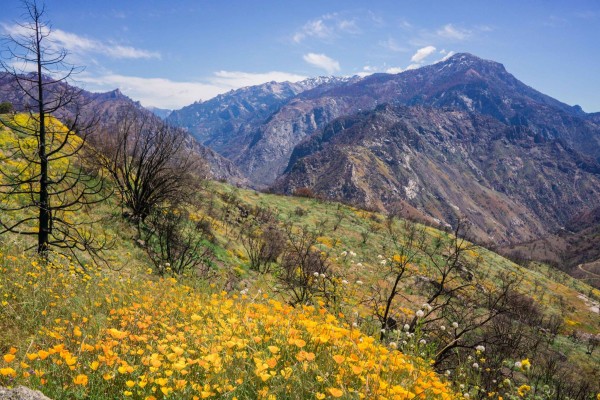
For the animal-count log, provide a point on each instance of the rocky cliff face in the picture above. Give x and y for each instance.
(257, 127)
(512, 184)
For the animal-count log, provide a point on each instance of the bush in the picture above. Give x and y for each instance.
(6, 107)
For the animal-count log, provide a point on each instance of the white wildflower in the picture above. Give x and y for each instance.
(455, 325)
(420, 313)
(406, 327)
(442, 328)
(480, 348)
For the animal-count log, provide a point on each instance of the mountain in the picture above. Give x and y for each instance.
(103, 107)
(255, 126)
(162, 113)
(258, 127)
(462, 137)
(468, 83)
(439, 164)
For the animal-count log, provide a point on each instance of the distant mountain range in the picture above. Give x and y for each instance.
(161, 113)
(104, 107)
(460, 138)
(257, 127)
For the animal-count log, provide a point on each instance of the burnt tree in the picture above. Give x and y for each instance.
(43, 183)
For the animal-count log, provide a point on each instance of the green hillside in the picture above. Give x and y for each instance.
(289, 298)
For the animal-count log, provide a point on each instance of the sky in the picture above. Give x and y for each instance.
(169, 54)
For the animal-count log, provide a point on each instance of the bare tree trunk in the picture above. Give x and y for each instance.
(45, 213)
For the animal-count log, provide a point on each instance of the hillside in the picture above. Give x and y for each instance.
(573, 248)
(214, 331)
(103, 108)
(279, 138)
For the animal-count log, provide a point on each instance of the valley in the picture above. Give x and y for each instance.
(190, 209)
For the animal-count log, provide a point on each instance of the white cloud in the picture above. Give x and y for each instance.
(418, 60)
(394, 70)
(238, 79)
(366, 71)
(326, 27)
(322, 61)
(158, 92)
(557, 22)
(316, 28)
(485, 28)
(79, 45)
(405, 25)
(165, 93)
(446, 55)
(422, 54)
(449, 31)
(392, 45)
(347, 25)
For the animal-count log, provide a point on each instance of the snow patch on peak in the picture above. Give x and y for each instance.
(312, 83)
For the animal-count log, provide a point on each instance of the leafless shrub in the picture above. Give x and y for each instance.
(304, 271)
(149, 161)
(175, 244)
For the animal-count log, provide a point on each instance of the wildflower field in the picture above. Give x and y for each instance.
(74, 333)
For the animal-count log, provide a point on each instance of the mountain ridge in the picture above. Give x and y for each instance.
(446, 164)
(104, 106)
(262, 146)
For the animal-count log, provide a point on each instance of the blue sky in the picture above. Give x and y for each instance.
(172, 53)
